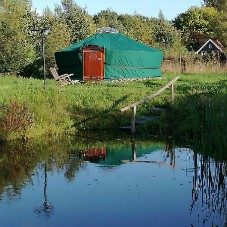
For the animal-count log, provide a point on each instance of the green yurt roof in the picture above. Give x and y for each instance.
(111, 41)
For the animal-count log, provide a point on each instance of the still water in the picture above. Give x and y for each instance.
(121, 183)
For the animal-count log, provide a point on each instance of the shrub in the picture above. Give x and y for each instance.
(14, 118)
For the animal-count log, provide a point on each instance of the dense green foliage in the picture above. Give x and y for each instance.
(16, 45)
(58, 37)
(200, 114)
(77, 19)
(48, 111)
(221, 26)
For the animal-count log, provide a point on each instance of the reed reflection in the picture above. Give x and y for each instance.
(209, 189)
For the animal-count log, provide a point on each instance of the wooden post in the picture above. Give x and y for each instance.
(180, 64)
(133, 122)
(172, 95)
(133, 150)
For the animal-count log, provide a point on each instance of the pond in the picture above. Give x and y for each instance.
(110, 183)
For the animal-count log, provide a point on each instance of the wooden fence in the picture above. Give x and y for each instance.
(133, 106)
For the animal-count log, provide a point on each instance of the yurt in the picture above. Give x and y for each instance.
(109, 55)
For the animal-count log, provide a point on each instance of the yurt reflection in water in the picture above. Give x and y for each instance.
(109, 156)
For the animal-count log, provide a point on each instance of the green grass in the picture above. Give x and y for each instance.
(90, 106)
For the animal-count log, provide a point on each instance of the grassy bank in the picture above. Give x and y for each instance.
(27, 110)
(202, 118)
(58, 108)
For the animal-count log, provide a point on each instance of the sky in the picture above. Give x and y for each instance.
(150, 8)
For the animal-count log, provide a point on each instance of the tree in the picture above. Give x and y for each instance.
(221, 28)
(137, 27)
(16, 48)
(77, 19)
(161, 15)
(107, 18)
(167, 38)
(197, 25)
(58, 37)
(218, 4)
(221, 19)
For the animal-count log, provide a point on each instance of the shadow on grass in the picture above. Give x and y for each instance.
(90, 118)
(35, 70)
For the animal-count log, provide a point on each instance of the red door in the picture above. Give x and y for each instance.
(93, 63)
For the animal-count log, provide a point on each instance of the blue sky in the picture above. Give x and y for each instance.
(150, 8)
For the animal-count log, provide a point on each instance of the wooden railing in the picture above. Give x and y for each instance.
(133, 106)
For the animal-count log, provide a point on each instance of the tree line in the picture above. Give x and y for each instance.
(69, 23)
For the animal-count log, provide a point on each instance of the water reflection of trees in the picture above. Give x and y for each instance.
(209, 189)
(15, 165)
(74, 162)
(18, 162)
